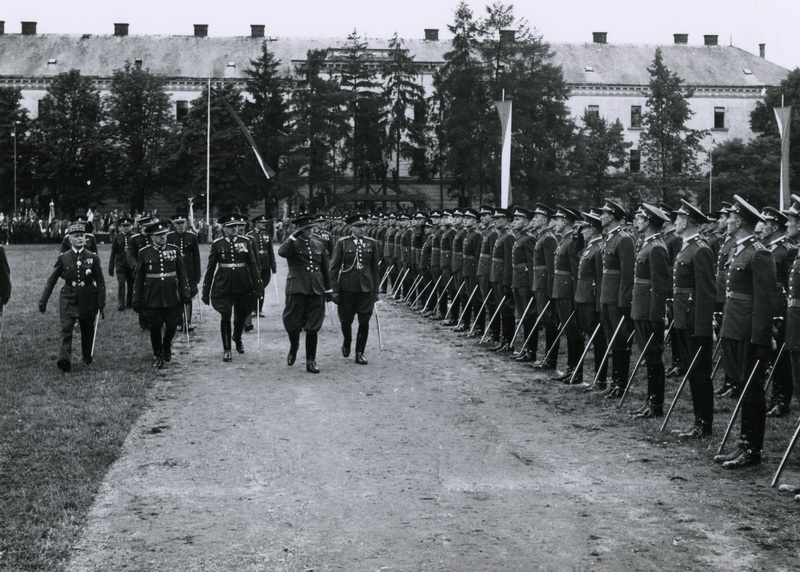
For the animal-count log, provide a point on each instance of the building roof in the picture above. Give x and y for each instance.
(47, 55)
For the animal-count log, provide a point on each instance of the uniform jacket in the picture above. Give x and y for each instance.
(309, 266)
(750, 286)
(522, 261)
(436, 251)
(325, 238)
(388, 243)
(652, 281)
(161, 280)
(472, 250)
(189, 248)
(619, 257)
(501, 271)
(544, 259)
(723, 260)
(446, 248)
(792, 338)
(119, 246)
(5, 278)
(457, 264)
(694, 288)
(590, 268)
(426, 252)
(779, 246)
(566, 269)
(232, 268)
(354, 265)
(487, 247)
(137, 242)
(265, 254)
(84, 290)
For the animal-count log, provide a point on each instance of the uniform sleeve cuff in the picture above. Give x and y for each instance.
(329, 291)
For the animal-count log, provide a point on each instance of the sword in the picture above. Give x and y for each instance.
(428, 301)
(525, 313)
(489, 325)
(585, 353)
(774, 365)
(450, 309)
(2, 321)
(560, 332)
(414, 285)
(608, 351)
(669, 329)
(421, 293)
(186, 326)
(475, 323)
(786, 455)
(536, 324)
(736, 409)
(385, 276)
(399, 288)
(439, 297)
(378, 324)
(94, 336)
(258, 327)
(464, 311)
(680, 389)
(277, 296)
(635, 369)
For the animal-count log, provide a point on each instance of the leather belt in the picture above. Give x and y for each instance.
(563, 272)
(737, 296)
(498, 259)
(645, 281)
(484, 255)
(518, 266)
(161, 275)
(794, 303)
(683, 290)
(612, 272)
(263, 251)
(540, 267)
(233, 265)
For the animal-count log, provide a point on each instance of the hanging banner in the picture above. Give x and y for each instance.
(784, 117)
(504, 110)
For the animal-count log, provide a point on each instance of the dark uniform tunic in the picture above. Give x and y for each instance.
(471, 251)
(82, 296)
(500, 276)
(306, 283)
(747, 331)
(354, 277)
(118, 263)
(5, 279)
(587, 301)
(694, 295)
(544, 254)
(189, 247)
(616, 293)
(137, 242)
(489, 236)
(792, 338)
(782, 388)
(521, 280)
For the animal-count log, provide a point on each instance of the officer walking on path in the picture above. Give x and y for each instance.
(189, 247)
(118, 264)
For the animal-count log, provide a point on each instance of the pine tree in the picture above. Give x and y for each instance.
(669, 149)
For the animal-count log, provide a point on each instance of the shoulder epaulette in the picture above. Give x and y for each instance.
(145, 247)
(218, 239)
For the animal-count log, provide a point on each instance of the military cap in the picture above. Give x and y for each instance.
(76, 227)
(592, 219)
(419, 215)
(436, 214)
(615, 209)
(403, 217)
(486, 210)
(87, 225)
(392, 216)
(725, 207)
(125, 220)
(458, 211)
(653, 214)
(772, 214)
(794, 207)
(567, 213)
(157, 227)
(668, 210)
(523, 212)
(358, 219)
(319, 217)
(232, 219)
(447, 212)
(303, 220)
(179, 218)
(712, 217)
(259, 218)
(543, 209)
(746, 211)
(692, 212)
(428, 224)
(144, 221)
(501, 213)
(471, 213)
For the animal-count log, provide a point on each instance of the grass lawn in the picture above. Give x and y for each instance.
(59, 433)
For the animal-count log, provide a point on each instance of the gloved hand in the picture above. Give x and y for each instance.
(335, 297)
(42, 307)
(328, 296)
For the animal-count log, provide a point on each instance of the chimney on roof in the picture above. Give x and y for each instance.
(29, 28)
(120, 29)
(256, 30)
(762, 51)
(600, 37)
(432, 34)
(200, 30)
(711, 40)
(508, 36)
(681, 39)
(2, 27)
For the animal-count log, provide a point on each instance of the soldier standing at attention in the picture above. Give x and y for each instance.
(565, 277)
(266, 256)
(747, 328)
(308, 287)
(522, 278)
(616, 293)
(501, 279)
(651, 286)
(83, 295)
(189, 247)
(119, 263)
(160, 290)
(544, 252)
(471, 249)
(488, 236)
(230, 281)
(693, 314)
(354, 281)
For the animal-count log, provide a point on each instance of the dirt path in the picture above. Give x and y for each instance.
(436, 456)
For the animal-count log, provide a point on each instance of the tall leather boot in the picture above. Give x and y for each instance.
(294, 344)
(166, 345)
(311, 352)
(155, 341)
(655, 392)
(361, 342)
(347, 335)
(552, 341)
(225, 331)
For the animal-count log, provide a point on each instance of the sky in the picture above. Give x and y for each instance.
(742, 23)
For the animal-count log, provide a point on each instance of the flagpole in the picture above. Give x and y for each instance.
(208, 167)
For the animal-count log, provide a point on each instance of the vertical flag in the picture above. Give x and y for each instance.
(784, 117)
(504, 110)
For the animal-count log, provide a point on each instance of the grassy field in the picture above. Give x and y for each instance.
(59, 433)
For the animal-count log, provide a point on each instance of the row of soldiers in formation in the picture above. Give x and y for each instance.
(605, 279)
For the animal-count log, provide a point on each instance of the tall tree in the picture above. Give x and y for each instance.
(69, 157)
(14, 123)
(750, 169)
(669, 149)
(599, 152)
(267, 115)
(406, 99)
(234, 181)
(140, 121)
(365, 143)
(318, 124)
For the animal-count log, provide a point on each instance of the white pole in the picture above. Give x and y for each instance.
(208, 166)
(504, 110)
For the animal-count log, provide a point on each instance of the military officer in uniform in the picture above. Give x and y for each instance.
(160, 290)
(354, 280)
(651, 286)
(544, 254)
(231, 280)
(488, 237)
(189, 247)
(308, 287)
(501, 279)
(118, 263)
(694, 294)
(266, 255)
(747, 328)
(83, 295)
(565, 275)
(471, 249)
(138, 241)
(522, 278)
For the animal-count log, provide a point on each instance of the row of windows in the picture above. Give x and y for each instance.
(636, 116)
